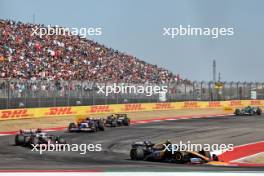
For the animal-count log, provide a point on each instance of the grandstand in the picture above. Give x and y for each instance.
(63, 57)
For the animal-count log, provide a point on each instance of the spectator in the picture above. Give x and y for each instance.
(63, 57)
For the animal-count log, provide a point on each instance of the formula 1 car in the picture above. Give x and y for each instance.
(34, 137)
(149, 151)
(115, 120)
(249, 110)
(87, 125)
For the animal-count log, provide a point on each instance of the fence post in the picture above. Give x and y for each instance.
(250, 90)
(230, 90)
(237, 91)
(201, 87)
(185, 95)
(210, 91)
(262, 97)
(193, 86)
(8, 94)
(244, 90)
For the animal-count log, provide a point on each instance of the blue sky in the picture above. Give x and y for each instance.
(135, 27)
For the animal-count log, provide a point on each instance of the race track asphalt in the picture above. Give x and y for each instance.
(116, 144)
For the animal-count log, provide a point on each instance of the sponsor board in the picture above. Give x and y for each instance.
(10, 114)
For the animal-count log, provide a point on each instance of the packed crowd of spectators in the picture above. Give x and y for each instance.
(63, 57)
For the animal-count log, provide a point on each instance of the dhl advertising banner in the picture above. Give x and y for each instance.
(9, 114)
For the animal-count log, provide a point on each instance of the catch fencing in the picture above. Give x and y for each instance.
(43, 93)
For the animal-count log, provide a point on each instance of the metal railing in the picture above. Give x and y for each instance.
(41, 93)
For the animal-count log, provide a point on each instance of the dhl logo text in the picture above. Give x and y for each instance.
(100, 108)
(190, 104)
(18, 113)
(133, 107)
(60, 111)
(235, 103)
(214, 104)
(164, 106)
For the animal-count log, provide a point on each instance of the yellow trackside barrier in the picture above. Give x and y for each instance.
(8, 114)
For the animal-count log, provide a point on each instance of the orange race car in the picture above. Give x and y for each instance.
(149, 151)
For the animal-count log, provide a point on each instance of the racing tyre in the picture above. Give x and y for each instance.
(259, 111)
(71, 125)
(137, 154)
(101, 125)
(19, 139)
(26, 140)
(179, 157)
(237, 112)
(126, 121)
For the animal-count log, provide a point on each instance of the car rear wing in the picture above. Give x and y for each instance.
(23, 131)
